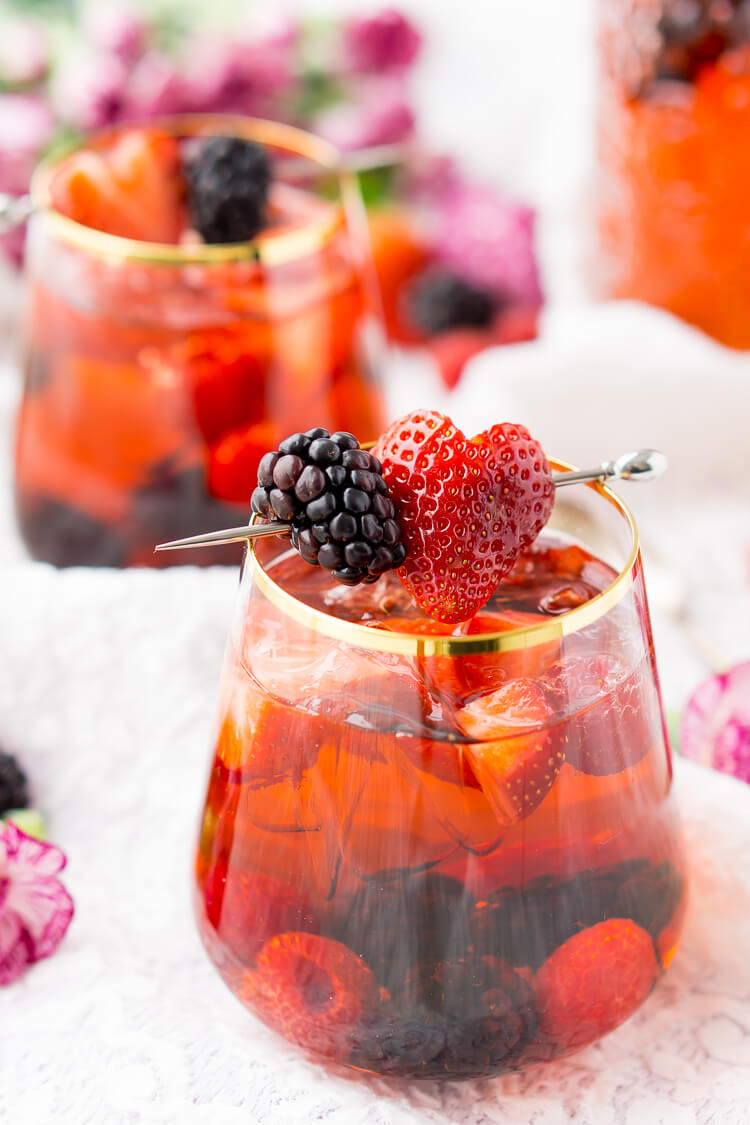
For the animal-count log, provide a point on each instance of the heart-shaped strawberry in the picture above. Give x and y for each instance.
(467, 507)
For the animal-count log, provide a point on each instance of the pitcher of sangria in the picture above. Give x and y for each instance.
(674, 175)
(439, 838)
(196, 289)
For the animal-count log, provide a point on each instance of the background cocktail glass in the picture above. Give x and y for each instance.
(158, 374)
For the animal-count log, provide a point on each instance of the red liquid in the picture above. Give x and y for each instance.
(393, 847)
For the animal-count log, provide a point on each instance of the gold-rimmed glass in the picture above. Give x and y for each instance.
(404, 822)
(157, 374)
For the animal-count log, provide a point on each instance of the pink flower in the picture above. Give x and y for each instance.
(379, 115)
(35, 908)
(241, 77)
(116, 29)
(716, 724)
(386, 41)
(24, 56)
(488, 239)
(155, 88)
(26, 126)
(88, 90)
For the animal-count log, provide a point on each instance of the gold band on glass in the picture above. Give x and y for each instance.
(273, 250)
(409, 644)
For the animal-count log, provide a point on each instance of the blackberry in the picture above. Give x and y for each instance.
(440, 301)
(334, 495)
(14, 791)
(228, 180)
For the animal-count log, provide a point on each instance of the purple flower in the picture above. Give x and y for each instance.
(379, 115)
(386, 41)
(88, 90)
(488, 239)
(24, 55)
(35, 908)
(716, 724)
(116, 29)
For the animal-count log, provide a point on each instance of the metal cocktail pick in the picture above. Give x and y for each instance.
(643, 464)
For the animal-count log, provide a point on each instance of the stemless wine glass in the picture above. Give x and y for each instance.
(157, 375)
(430, 851)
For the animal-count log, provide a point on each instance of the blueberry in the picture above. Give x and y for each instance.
(310, 484)
(265, 469)
(287, 471)
(321, 508)
(343, 526)
(355, 500)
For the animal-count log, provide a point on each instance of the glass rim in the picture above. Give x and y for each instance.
(265, 250)
(420, 645)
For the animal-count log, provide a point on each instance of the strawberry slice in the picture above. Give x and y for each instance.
(594, 981)
(132, 189)
(512, 757)
(467, 508)
(233, 461)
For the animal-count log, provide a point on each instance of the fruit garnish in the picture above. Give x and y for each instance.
(594, 981)
(513, 756)
(228, 181)
(251, 907)
(133, 189)
(439, 301)
(716, 724)
(467, 507)
(315, 989)
(14, 788)
(337, 501)
(233, 461)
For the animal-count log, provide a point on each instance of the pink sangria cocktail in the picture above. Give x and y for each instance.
(435, 848)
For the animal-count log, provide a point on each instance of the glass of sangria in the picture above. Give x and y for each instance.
(674, 174)
(440, 851)
(160, 366)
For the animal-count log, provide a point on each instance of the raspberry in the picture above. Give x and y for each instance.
(228, 180)
(250, 908)
(14, 790)
(440, 301)
(467, 508)
(313, 989)
(594, 981)
(335, 496)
